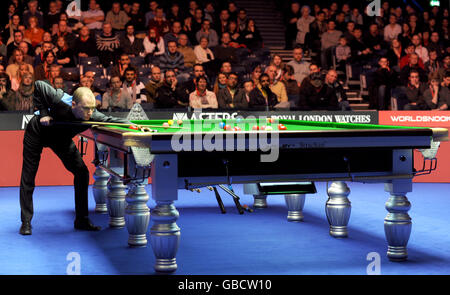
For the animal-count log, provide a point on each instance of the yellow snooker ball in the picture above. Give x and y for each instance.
(170, 122)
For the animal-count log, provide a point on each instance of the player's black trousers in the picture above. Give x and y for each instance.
(70, 157)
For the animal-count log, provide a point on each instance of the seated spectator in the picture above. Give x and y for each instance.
(332, 82)
(116, 97)
(18, 59)
(135, 88)
(169, 94)
(22, 99)
(380, 90)
(436, 44)
(153, 5)
(159, 22)
(5, 86)
(197, 21)
(23, 46)
(291, 85)
(117, 17)
(189, 86)
(137, 17)
(34, 33)
(17, 79)
(235, 35)
(108, 45)
(221, 83)
(261, 96)
(405, 59)
(420, 50)
(232, 97)
(361, 53)
(436, 96)
(58, 83)
(405, 36)
(392, 30)
(343, 53)
(412, 65)
(251, 37)
(299, 23)
(208, 33)
(226, 67)
(222, 24)
(277, 62)
(65, 54)
(33, 11)
(153, 46)
(225, 52)
(93, 18)
(85, 44)
(316, 95)
(445, 66)
(39, 58)
(433, 64)
(394, 55)
(301, 67)
(52, 16)
(189, 31)
(18, 38)
(88, 82)
(154, 83)
(446, 79)
(329, 40)
(175, 14)
(277, 87)
(375, 41)
(255, 75)
(242, 19)
(130, 44)
(414, 93)
(349, 32)
(202, 98)
(62, 30)
(248, 87)
(204, 56)
(174, 34)
(121, 66)
(173, 60)
(316, 29)
(42, 71)
(188, 52)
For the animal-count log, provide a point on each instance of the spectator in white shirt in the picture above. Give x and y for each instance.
(202, 53)
(392, 30)
(93, 18)
(421, 51)
(202, 97)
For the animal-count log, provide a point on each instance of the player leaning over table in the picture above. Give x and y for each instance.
(40, 133)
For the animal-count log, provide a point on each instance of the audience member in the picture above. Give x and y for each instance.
(202, 98)
(116, 97)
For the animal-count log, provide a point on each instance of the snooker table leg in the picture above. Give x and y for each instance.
(338, 209)
(165, 235)
(397, 224)
(295, 204)
(100, 190)
(137, 214)
(116, 202)
(260, 201)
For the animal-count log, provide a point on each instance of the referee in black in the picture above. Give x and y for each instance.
(40, 133)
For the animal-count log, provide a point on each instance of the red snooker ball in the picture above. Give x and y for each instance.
(227, 127)
(237, 128)
(256, 127)
(281, 127)
(134, 127)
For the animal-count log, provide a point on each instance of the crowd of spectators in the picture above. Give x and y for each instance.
(210, 54)
(401, 50)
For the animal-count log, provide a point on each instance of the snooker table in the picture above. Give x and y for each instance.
(191, 154)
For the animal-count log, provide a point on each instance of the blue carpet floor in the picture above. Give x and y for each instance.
(259, 243)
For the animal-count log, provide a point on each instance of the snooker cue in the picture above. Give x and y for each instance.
(94, 123)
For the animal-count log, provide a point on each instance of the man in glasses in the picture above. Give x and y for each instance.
(40, 132)
(262, 96)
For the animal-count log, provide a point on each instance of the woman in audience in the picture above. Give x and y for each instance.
(65, 54)
(153, 46)
(394, 54)
(43, 70)
(251, 37)
(277, 62)
(202, 97)
(22, 99)
(436, 96)
(221, 82)
(5, 86)
(18, 59)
